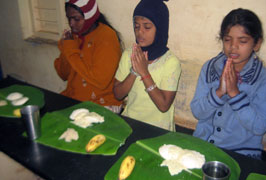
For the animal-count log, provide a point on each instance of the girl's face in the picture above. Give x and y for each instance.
(144, 31)
(239, 46)
(75, 19)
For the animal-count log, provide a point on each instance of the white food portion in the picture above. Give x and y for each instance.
(14, 96)
(17, 99)
(192, 159)
(69, 135)
(19, 102)
(80, 116)
(173, 166)
(3, 103)
(95, 118)
(83, 118)
(178, 159)
(82, 123)
(170, 151)
(76, 112)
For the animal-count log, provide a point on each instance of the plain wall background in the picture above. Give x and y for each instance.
(194, 28)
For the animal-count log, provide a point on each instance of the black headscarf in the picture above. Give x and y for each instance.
(157, 12)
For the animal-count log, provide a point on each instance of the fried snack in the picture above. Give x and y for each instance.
(126, 167)
(95, 142)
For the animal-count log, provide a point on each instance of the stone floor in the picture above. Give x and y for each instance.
(11, 170)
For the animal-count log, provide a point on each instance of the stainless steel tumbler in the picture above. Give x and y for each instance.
(31, 117)
(215, 170)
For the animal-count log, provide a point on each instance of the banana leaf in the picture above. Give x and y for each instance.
(148, 159)
(114, 128)
(36, 97)
(255, 176)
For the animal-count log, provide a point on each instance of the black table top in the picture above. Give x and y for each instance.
(51, 163)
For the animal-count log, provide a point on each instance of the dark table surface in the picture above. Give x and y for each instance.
(51, 163)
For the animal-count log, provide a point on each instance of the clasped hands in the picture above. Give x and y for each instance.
(139, 60)
(67, 34)
(228, 81)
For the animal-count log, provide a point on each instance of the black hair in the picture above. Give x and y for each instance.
(73, 6)
(101, 19)
(246, 18)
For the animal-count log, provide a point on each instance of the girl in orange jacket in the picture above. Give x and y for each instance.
(89, 57)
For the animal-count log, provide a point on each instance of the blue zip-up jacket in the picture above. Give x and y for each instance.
(237, 123)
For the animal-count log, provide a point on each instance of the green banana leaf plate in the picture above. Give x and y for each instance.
(148, 159)
(114, 128)
(36, 97)
(255, 176)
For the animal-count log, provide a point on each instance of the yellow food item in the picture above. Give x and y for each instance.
(95, 142)
(17, 113)
(126, 167)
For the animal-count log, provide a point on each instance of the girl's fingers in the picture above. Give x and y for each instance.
(232, 71)
(228, 63)
(132, 58)
(64, 34)
(133, 55)
(227, 68)
(139, 53)
(146, 55)
(134, 51)
(230, 74)
(67, 34)
(133, 64)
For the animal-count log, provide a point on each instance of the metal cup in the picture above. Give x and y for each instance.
(31, 117)
(215, 170)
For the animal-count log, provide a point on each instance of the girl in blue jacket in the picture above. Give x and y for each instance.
(230, 99)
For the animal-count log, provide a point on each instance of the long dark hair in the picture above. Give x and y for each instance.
(102, 19)
(245, 18)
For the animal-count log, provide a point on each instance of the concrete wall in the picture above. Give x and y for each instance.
(194, 28)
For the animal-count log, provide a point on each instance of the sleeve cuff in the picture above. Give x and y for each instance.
(239, 101)
(214, 99)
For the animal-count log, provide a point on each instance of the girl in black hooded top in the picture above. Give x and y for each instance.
(149, 72)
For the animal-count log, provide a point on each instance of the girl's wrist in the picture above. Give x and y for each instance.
(144, 73)
(145, 77)
(219, 93)
(233, 94)
(133, 72)
(150, 88)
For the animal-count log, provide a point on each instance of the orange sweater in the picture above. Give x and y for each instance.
(90, 71)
